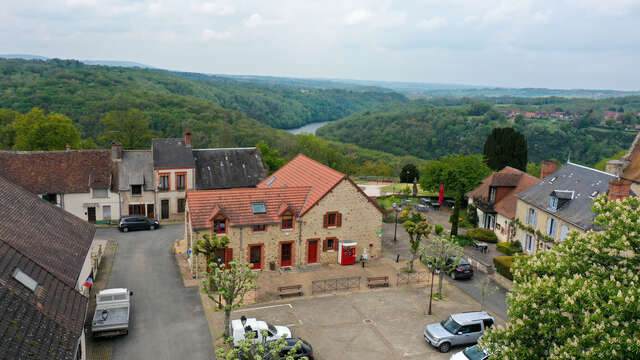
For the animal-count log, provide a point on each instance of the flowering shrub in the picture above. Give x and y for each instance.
(581, 300)
(485, 235)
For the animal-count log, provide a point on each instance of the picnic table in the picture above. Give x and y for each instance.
(483, 247)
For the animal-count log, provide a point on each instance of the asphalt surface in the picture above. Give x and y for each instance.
(167, 320)
(494, 301)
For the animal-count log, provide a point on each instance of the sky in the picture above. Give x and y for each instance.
(568, 44)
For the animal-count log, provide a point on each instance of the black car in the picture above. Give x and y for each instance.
(137, 223)
(459, 268)
(304, 351)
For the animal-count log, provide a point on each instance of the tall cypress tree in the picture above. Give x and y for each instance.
(506, 147)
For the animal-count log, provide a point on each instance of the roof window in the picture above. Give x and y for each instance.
(594, 194)
(270, 181)
(553, 179)
(25, 279)
(258, 208)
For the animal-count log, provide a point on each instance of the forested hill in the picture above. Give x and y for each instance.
(429, 132)
(171, 104)
(283, 107)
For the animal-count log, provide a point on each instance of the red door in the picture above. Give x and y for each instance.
(313, 252)
(285, 254)
(255, 256)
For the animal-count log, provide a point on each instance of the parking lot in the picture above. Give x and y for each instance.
(372, 325)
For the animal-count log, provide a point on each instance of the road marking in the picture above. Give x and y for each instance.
(264, 307)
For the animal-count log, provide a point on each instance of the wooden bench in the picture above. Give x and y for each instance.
(378, 281)
(290, 290)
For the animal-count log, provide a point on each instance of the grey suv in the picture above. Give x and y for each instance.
(458, 329)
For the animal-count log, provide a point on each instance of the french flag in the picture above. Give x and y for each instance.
(89, 282)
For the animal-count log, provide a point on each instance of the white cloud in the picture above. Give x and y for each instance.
(357, 16)
(208, 34)
(253, 21)
(432, 23)
(217, 8)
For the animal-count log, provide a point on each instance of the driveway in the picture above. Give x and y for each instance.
(167, 319)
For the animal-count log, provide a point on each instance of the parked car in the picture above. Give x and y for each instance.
(137, 223)
(241, 327)
(304, 351)
(458, 329)
(460, 269)
(474, 352)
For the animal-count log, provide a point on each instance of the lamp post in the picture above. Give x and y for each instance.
(219, 261)
(396, 208)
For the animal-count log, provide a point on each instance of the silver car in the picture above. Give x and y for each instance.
(458, 329)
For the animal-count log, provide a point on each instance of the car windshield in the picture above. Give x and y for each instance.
(272, 329)
(474, 353)
(450, 325)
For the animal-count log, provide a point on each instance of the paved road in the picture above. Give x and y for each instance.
(167, 321)
(495, 302)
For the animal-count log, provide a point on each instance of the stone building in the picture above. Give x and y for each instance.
(135, 181)
(296, 217)
(628, 167)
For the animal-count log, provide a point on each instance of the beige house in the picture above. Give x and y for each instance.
(303, 214)
(561, 203)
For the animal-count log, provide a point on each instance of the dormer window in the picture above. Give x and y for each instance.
(553, 203)
(492, 194)
(220, 226)
(258, 208)
(287, 222)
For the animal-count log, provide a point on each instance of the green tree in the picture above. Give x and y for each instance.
(472, 215)
(459, 174)
(129, 128)
(506, 147)
(479, 109)
(534, 169)
(249, 349)
(437, 252)
(270, 156)
(416, 230)
(37, 130)
(580, 300)
(408, 173)
(602, 164)
(7, 131)
(228, 286)
(207, 245)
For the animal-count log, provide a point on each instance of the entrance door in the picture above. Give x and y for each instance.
(150, 213)
(91, 214)
(285, 254)
(164, 204)
(313, 252)
(255, 256)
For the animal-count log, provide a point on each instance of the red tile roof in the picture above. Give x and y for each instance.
(74, 171)
(303, 171)
(235, 204)
(507, 177)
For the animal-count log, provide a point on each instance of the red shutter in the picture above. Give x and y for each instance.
(338, 219)
(326, 220)
(228, 256)
(324, 245)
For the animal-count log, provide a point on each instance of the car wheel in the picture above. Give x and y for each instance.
(125, 229)
(444, 347)
(453, 275)
(153, 227)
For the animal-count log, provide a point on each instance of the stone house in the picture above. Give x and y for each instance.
(495, 200)
(135, 181)
(42, 306)
(561, 203)
(79, 181)
(296, 217)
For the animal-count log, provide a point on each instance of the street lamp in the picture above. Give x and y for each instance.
(396, 209)
(220, 262)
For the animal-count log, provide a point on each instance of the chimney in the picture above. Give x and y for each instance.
(615, 167)
(68, 147)
(187, 137)
(619, 189)
(116, 151)
(548, 168)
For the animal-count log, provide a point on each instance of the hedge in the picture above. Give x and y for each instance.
(464, 240)
(484, 235)
(509, 248)
(503, 265)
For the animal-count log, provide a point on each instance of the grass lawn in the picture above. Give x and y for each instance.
(396, 188)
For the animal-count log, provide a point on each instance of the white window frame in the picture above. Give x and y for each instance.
(564, 231)
(106, 212)
(492, 194)
(101, 196)
(532, 217)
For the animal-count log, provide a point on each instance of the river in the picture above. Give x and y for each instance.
(309, 128)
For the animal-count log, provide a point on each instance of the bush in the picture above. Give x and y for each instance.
(484, 235)
(438, 229)
(464, 240)
(503, 265)
(509, 248)
(389, 219)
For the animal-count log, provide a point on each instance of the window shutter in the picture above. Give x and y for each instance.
(325, 244)
(228, 255)
(339, 219)
(326, 220)
(549, 226)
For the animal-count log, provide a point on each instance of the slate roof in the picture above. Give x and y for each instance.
(228, 168)
(135, 168)
(45, 324)
(73, 171)
(52, 238)
(235, 204)
(171, 153)
(303, 171)
(582, 180)
(507, 177)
